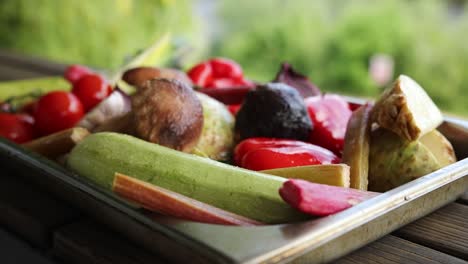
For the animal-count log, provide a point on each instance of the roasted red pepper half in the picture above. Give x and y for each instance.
(330, 114)
(270, 153)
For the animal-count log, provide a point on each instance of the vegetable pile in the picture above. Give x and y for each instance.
(212, 146)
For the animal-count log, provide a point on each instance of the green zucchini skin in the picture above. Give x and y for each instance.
(241, 191)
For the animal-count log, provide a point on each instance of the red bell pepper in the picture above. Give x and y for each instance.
(201, 74)
(221, 79)
(271, 153)
(330, 114)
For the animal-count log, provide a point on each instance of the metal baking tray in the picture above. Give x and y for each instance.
(314, 241)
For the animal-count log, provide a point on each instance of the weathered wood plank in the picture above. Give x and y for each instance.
(444, 230)
(463, 199)
(30, 212)
(15, 251)
(89, 242)
(391, 249)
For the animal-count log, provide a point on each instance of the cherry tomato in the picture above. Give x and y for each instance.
(57, 111)
(201, 74)
(16, 127)
(91, 89)
(74, 72)
(226, 68)
(29, 108)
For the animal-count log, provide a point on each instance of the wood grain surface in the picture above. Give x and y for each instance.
(30, 212)
(391, 250)
(89, 242)
(445, 230)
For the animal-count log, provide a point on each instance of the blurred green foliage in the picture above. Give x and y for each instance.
(100, 33)
(329, 40)
(332, 42)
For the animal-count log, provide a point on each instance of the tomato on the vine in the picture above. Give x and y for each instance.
(16, 127)
(57, 111)
(74, 72)
(91, 89)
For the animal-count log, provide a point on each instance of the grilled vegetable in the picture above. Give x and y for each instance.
(170, 203)
(394, 161)
(356, 147)
(247, 193)
(332, 174)
(321, 200)
(407, 110)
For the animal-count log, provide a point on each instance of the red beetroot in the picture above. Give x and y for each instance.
(234, 95)
(319, 199)
(170, 203)
(330, 114)
(269, 153)
(74, 72)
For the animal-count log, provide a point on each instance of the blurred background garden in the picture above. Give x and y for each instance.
(343, 46)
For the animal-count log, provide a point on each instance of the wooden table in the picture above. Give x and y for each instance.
(60, 232)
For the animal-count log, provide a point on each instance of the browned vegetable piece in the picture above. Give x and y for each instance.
(122, 124)
(168, 112)
(57, 144)
(138, 76)
(356, 146)
(167, 202)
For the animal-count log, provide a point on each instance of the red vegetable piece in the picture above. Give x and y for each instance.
(74, 72)
(319, 199)
(294, 79)
(16, 127)
(233, 95)
(29, 108)
(170, 203)
(273, 158)
(270, 153)
(354, 106)
(201, 74)
(91, 89)
(330, 114)
(250, 144)
(57, 111)
(234, 108)
(225, 68)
